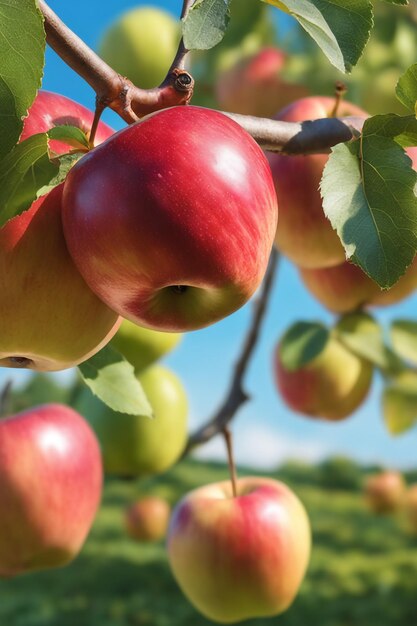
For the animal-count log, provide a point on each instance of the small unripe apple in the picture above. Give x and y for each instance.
(171, 221)
(253, 85)
(141, 45)
(384, 492)
(147, 519)
(135, 445)
(52, 109)
(305, 235)
(52, 317)
(50, 487)
(410, 507)
(142, 346)
(331, 386)
(239, 557)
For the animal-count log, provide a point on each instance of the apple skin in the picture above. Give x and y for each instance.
(50, 487)
(243, 557)
(134, 445)
(305, 235)
(345, 287)
(141, 346)
(253, 86)
(176, 236)
(53, 319)
(331, 386)
(147, 519)
(385, 492)
(52, 109)
(141, 45)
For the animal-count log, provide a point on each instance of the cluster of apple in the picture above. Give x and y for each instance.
(387, 492)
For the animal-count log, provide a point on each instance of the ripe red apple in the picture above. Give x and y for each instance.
(253, 86)
(346, 287)
(50, 487)
(171, 221)
(305, 235)
(242, 557)
(52, 318)
(51, 109)
(147, 519)
(384, 492)
(331, 386)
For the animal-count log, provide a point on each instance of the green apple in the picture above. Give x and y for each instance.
(142, 346)
(134, 445)
(141, 45)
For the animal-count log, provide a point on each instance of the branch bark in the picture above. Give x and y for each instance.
(236, 395)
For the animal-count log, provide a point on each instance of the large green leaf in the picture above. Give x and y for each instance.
(22, 49)
(403, 335)
(368, 190)
(206, 23)
(340, 27)
(407, 88)
(302, 343)
(112, 379)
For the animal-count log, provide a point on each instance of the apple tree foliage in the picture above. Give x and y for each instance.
(368, 186)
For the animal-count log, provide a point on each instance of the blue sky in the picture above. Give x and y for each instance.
(266, 432)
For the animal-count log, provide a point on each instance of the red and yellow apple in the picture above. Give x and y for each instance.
(385, 492)
(332, 385)
(305, 235)
(171, 221)
(50, 487)
(135, 445)
(239, 557)
(147, 519)
(52, 109)
(346, 287)
(51, 318)
(253, 85)
(142, 346)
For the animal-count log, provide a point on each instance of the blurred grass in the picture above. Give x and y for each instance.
(363, 569)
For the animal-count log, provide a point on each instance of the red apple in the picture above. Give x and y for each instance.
(345, 287)
(253, 85)
(171, 221)
(147, 519)
(51, 109)
(52, 317)
(384, 492)
(332, 385)
(50, 487)
(305, 235)
(242, 557)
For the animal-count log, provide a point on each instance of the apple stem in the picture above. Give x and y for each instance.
(232, 467)
(5, 398)
(97, 115)
(340, 91)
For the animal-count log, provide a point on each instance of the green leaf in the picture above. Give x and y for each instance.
(399, 402)
(112, 379)
(406, 88)
(23, 172)
(368, 196)
(403, 334)
(65, 162)
(71, 135)
(340, 27)
(22, 50)
(206, 23)
(362, 334)
(302, 343)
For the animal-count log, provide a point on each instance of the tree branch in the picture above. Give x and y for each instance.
(112, 89)
(236, 395)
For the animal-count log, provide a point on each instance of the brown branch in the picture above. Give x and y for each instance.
(236, 395)
(112, 89)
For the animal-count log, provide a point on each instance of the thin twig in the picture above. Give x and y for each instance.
(230, 458)
(5, 398)
(236, 395)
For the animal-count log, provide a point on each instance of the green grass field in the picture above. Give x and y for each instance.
(363, 569)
